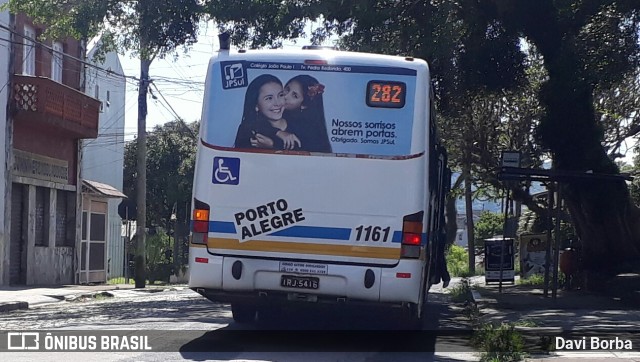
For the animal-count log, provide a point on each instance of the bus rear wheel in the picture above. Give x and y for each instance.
(409, 319)
(243, 313)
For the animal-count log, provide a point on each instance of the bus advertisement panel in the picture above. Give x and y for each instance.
(345, 109)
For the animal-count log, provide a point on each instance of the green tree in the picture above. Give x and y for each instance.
(584, 46)
(574, 38)
(489, 225)
(171, 150)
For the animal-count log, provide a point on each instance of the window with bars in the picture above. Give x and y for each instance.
(42, 216)
(65, 218)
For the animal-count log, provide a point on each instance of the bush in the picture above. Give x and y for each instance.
(461, 292)
(499, 343)
(537, 280)
(457, 261)
(159, 260)
(478, 271)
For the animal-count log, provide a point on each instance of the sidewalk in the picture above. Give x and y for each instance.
(23, 297)
(573, 315)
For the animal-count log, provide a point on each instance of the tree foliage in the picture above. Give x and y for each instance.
(586, 52)
(489, 225)
(635, 184)
(147, 28)
(171, 150)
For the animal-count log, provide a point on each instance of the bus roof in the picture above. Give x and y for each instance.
(330, 55)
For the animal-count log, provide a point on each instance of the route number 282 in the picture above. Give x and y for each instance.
(372, 233)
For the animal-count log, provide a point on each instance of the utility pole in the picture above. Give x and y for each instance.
(141, 219)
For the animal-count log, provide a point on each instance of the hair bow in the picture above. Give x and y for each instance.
(315, 89)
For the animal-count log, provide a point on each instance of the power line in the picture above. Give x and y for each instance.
(175, 113)
(7, 28)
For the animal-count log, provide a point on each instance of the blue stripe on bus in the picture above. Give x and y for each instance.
(316, 232)
(312, 232)
(224, 227)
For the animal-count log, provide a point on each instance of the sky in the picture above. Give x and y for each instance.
(180, 81)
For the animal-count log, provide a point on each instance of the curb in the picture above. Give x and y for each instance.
(11, 306)
(476, 296)
(80, 295)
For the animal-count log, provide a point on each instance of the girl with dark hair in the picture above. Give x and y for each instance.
(262, 116)
(304, 108)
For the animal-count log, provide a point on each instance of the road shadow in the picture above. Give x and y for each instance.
(338, 329)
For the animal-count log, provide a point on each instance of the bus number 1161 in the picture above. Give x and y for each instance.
(372, 233)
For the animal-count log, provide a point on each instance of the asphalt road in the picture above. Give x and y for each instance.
(182, 325)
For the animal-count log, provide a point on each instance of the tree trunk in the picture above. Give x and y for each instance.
(452, 224)
(466, 172)
(603, 214)
(607, 223)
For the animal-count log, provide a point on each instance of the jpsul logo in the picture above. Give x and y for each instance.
(23, 341)
(233, 75)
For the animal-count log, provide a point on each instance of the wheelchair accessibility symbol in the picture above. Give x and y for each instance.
(226, 170)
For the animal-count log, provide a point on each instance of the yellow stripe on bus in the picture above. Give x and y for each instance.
(305, 248)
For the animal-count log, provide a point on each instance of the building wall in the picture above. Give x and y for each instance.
(41, 232)
(51, 142)
(59, 259)
(72, 69)
(103, 158)
(4, 145)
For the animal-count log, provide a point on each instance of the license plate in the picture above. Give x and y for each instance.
(292, 281)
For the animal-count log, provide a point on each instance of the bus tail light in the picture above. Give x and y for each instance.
(200, 222)
(412, 235)
(411, 239)
(315, 62)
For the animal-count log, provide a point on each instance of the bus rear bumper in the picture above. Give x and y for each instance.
(269, 298)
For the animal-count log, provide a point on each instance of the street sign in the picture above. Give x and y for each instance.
(493, 254)
(510, 159)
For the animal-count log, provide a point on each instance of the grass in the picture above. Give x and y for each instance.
(533, 280)
(466, 274)
(537, 280)
(120, 280)
(461, 292)
(499, 343)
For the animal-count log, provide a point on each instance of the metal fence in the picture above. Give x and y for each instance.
(121, 253)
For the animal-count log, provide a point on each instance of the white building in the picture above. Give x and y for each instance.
(462, 237)
(103, 161)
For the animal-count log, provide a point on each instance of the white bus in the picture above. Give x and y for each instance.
(318, 179)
